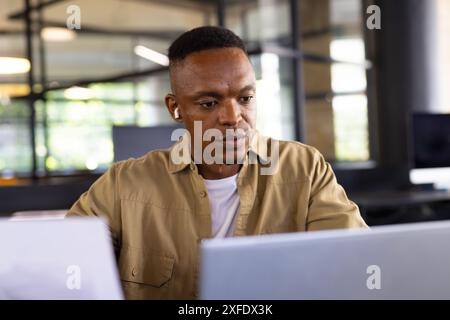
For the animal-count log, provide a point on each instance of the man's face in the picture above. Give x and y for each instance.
(217, 88)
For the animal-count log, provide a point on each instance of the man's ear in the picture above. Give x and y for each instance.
(173, 108)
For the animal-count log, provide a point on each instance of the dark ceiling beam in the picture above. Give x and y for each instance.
(185, 4)
(287, 52)
(115, 78)
(161, 34)
(6, 32)
(38, 7)
(281, 51)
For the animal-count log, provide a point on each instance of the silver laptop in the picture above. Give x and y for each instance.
(410, 261)
(57, 259)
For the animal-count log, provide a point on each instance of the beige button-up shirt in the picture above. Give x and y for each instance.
(158, 211)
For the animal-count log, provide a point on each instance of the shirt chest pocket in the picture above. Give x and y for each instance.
(145, 266)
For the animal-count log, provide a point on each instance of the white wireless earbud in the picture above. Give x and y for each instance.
(176, 113)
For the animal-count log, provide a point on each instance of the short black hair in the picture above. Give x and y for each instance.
(203, 38)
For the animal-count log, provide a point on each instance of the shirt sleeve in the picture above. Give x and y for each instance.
(101, 201)
(329, 207)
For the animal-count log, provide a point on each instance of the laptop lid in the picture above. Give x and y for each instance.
(57, 259)
(410, 261)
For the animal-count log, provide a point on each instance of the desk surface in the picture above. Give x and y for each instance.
(398, 198)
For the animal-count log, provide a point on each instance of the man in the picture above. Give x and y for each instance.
(161, 205)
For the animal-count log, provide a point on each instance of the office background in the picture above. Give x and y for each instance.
(375, 102)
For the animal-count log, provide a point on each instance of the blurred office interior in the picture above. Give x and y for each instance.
(375, 102)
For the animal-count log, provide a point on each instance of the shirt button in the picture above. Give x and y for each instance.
(203, 194)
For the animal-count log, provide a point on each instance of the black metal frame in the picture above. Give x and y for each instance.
(299, 91)
(43, 80)
(31, 97)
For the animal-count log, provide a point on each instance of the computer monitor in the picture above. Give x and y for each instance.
(57, 259)
(431, 140)
(133, 141)
(410, 261)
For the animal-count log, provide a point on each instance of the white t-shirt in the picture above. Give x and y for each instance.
(224, 201)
